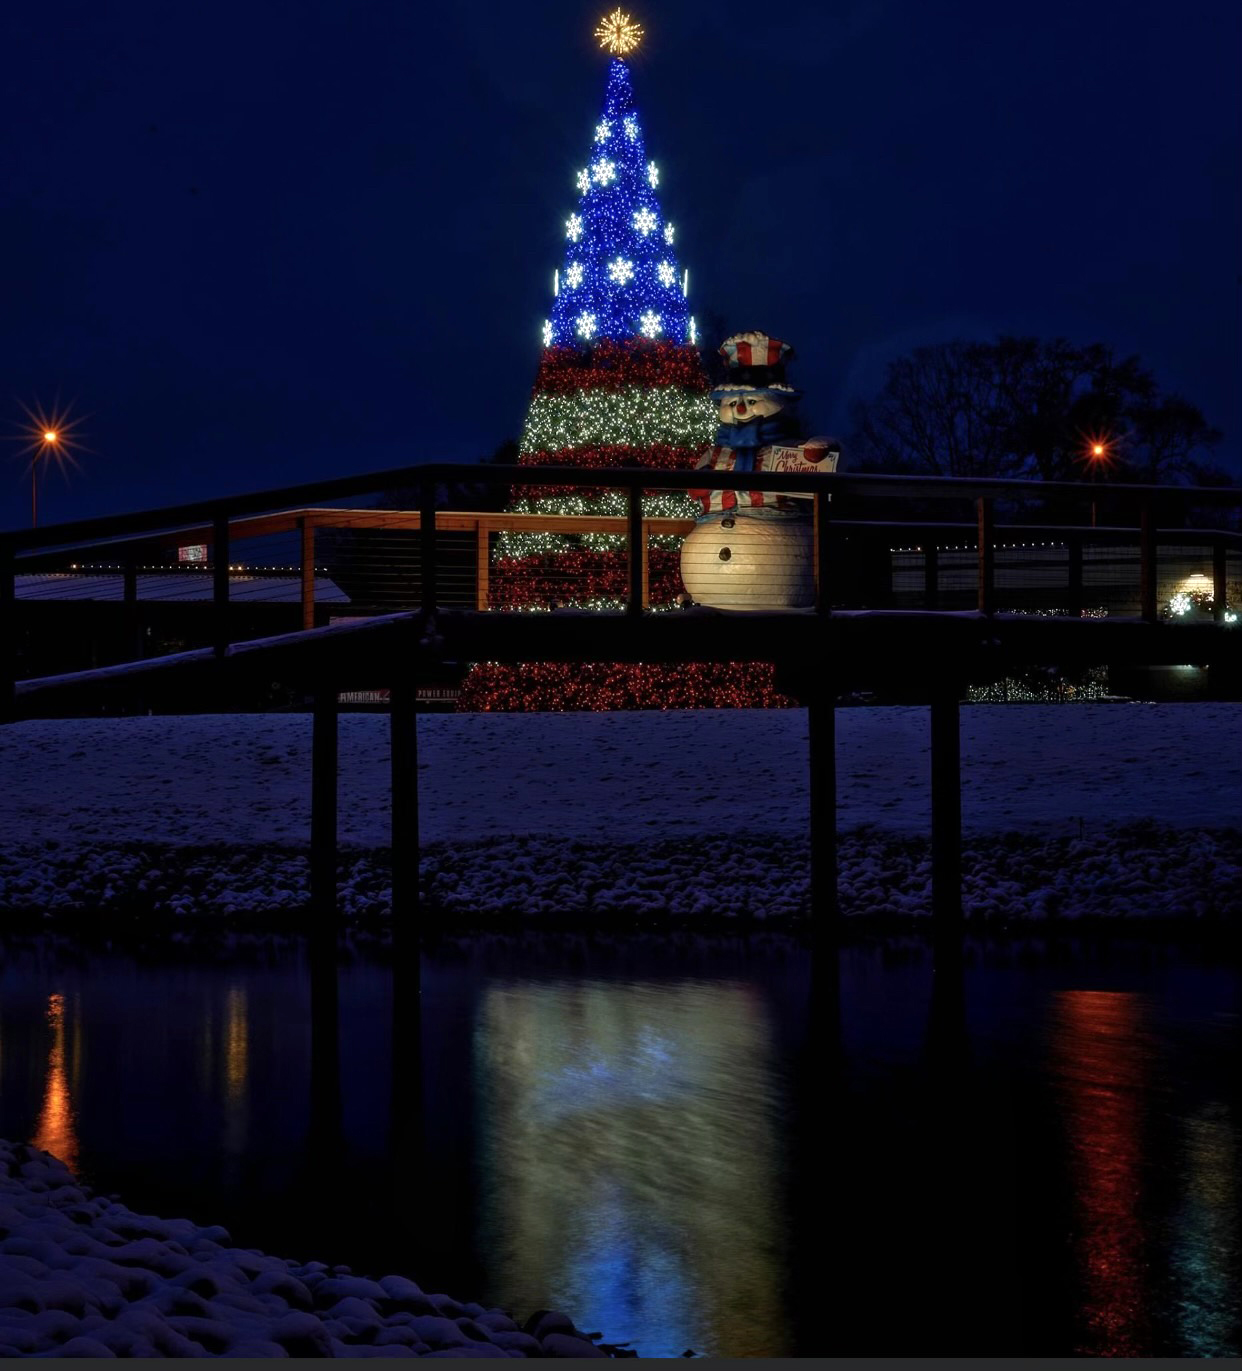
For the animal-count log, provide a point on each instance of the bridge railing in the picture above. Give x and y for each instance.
(388, 543)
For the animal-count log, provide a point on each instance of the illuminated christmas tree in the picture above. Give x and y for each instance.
(620, 384)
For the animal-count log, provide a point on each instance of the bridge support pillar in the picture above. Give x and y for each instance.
(325, 1004)
(822, 729)
(403, 746)
(324, 768)
(946, 806)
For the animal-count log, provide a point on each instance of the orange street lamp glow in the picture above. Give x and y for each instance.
(1097, 449)
(49, 435)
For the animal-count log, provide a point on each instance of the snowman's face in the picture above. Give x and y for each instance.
(745, 405)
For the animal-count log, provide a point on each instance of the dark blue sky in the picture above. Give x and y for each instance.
(265, 242)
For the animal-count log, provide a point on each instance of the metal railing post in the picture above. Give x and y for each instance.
(636, 548)
(1073, 573)
(403, 746)
(823, 555)
(129, 596)
(427, 544)
(987, 556)
(931, 576)
(220, 581)
(306, 537)
(8, 628)
(1147, 563)
(1220, 583)
(482, 566)
(324, 771)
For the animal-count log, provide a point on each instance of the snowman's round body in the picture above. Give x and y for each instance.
(760, 559)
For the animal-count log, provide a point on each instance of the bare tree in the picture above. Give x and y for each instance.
(1030, 407)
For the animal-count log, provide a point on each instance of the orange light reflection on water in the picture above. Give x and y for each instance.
(57, 1132)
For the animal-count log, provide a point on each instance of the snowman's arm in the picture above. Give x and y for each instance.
(824, 452)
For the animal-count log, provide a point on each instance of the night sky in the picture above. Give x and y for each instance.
(259, 243)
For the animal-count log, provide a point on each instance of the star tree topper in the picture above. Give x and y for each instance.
(618, 34)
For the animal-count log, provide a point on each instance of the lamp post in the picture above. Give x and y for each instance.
(1097, 453)
(49, 442)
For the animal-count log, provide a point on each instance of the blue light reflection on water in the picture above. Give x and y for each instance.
(628, 1134)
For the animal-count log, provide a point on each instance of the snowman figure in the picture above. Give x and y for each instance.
(752, 549)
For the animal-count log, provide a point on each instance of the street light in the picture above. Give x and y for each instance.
(1097, 455)
(48, 435)
(49, 446)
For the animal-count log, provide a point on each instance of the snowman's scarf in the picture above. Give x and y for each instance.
(746, 439)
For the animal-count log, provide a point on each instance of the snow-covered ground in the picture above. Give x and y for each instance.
(83, 1276)
(246, 778)
(685, 812)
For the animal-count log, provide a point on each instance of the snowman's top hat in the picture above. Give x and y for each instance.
(756, 361)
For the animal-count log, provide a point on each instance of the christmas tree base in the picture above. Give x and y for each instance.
(567, 686)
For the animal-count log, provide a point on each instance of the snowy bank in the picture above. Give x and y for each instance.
(1071, 810)
(82, 1275)
(1130, 871)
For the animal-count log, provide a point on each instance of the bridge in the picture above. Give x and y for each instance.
(966, 598)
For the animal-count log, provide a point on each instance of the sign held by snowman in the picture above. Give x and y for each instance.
(753, 549)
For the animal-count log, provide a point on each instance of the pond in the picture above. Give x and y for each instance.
(684, 1144)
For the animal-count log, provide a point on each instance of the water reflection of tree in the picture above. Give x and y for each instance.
(630, 1162)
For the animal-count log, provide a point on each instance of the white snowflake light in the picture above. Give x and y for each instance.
(547, 333)
(584, 181)
(649, 324)
(693, 330)
(573, 227)
(653, 175)
(1181, 603)
(668, 233)
(667, 273)
(604, 171)
(620, 271)
(573, 275)
(631, 128)
(644, 221)
(586, 325)
(603, 131)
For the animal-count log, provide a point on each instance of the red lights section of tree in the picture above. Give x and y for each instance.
(579, 576)
(604, 685)
(611, 365)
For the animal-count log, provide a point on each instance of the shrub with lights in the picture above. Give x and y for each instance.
(620, 384)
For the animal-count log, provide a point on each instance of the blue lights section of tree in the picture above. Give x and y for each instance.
(620, 278)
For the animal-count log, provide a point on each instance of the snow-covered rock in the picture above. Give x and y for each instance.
(80, 1277)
